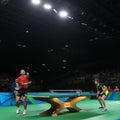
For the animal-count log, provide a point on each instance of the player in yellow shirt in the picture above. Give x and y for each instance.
(102, 92)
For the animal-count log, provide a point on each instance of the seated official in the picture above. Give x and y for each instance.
(15, 87)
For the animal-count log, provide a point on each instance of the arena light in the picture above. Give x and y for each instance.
(47, 6)
(55, 11)
(36, 2)
(63, 14)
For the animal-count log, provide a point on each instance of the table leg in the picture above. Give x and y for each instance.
(73, 102)
(57, 105)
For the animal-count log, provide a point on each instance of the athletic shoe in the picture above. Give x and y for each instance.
(18, 111)
(100, 107)
(105, 109)
(24, 112)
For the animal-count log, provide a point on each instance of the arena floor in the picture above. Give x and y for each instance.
(91, 107)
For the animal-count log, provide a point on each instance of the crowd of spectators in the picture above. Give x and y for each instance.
(79, 80)
(111, 78)
(5, 82)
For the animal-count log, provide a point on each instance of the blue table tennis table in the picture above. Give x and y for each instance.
(57, 105)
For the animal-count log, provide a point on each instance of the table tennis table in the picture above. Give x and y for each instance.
(57, 105)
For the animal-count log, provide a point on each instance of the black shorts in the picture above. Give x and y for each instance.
(100, 95)
(22, 92)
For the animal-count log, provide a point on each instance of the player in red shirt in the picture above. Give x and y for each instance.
(23, 87)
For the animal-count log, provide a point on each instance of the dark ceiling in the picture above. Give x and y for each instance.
(42, 42)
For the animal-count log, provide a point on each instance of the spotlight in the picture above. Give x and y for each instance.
(63, 14)
(36, 2)
(55, 11)
(44, 65)
(47, 6)
(64, 61)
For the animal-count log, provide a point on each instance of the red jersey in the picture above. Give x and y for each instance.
(23, 79)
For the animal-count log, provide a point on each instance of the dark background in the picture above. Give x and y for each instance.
(53, 49)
